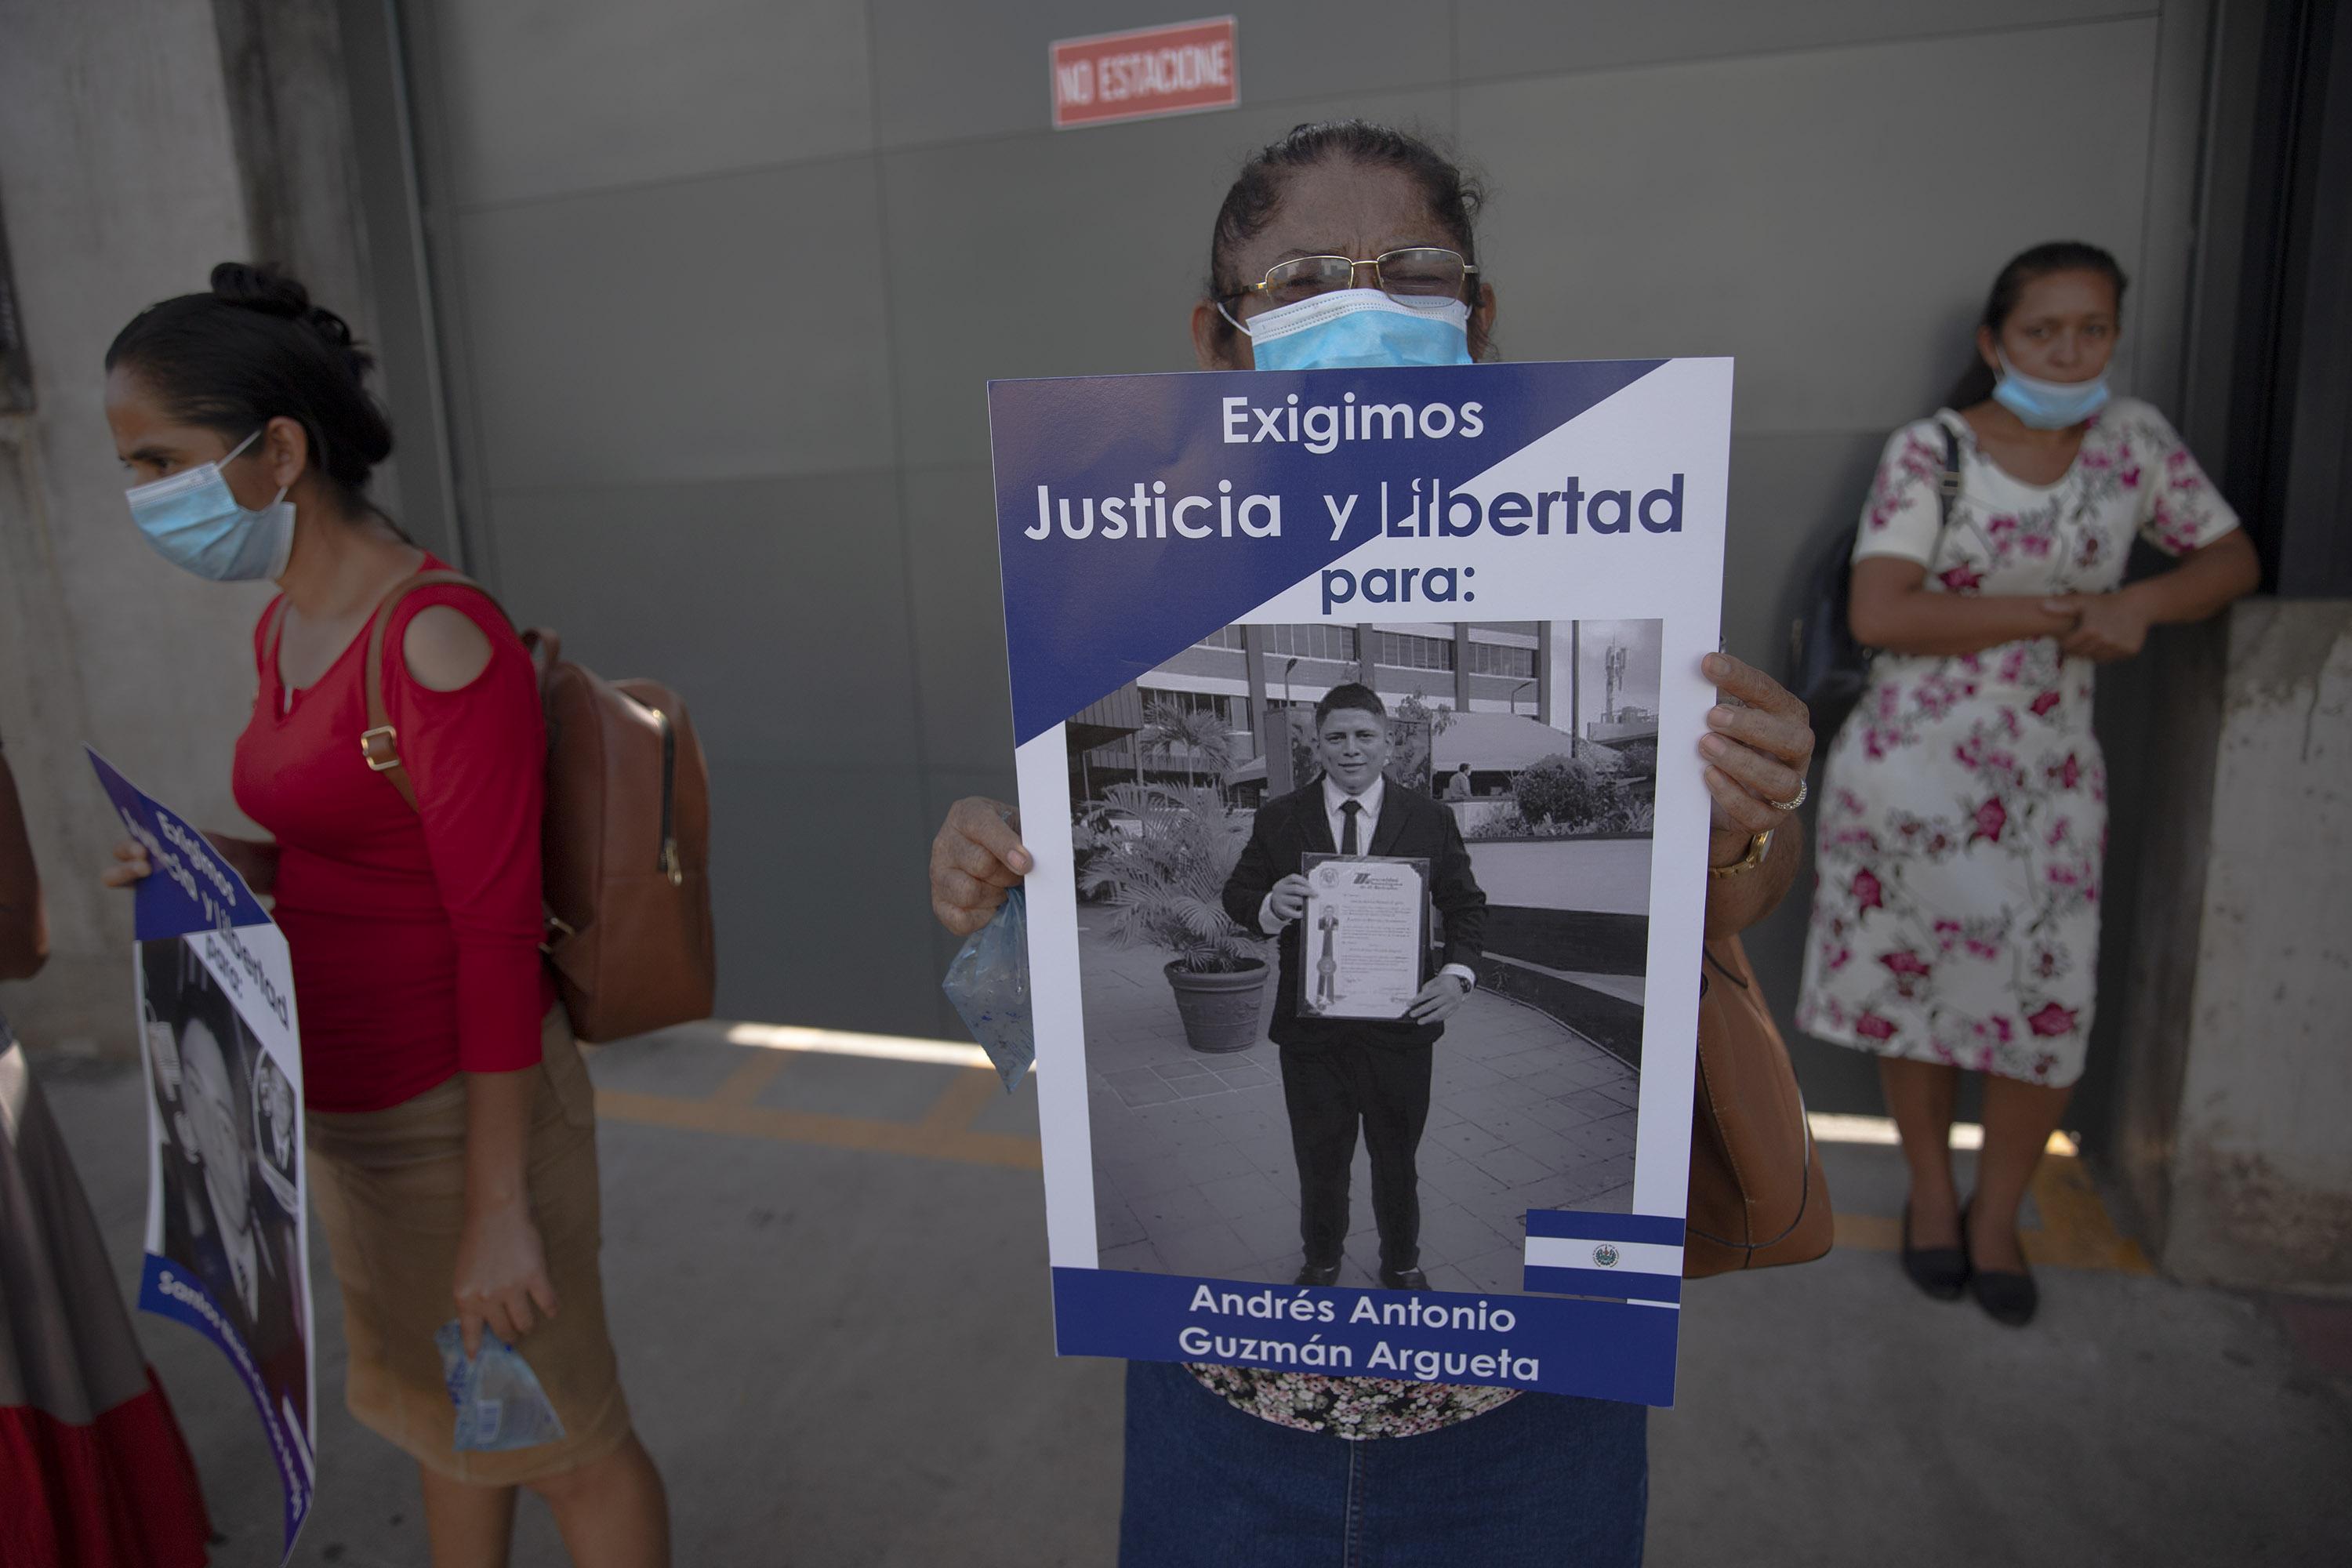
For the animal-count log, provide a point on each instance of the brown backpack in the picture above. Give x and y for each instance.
(1758, 1196)
(625, 841)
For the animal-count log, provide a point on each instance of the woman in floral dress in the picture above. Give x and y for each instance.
(1963, 820)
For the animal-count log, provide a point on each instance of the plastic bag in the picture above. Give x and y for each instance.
(501, 1405)
(989, 983)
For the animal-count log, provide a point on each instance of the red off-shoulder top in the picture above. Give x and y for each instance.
(414, 934)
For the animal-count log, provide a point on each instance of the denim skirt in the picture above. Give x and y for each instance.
(1542, 1480)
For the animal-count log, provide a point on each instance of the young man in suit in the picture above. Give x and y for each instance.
(1339, 1072)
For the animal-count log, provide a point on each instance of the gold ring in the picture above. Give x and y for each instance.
(1790, 805)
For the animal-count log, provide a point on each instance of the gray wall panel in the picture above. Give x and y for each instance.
(1788, 494)
(1514, 37)
(945, 71)
(1816, 215)
(702, 329)
(1073, 253)
(2157, 311)
(776, 608)
(764, 477)
(816, 881)
(546, 100)
(959, 617)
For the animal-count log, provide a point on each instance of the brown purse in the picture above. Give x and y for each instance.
(1758, 1196)
(625, 840)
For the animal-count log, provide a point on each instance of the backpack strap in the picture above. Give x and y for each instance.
(274, 629)
(1948, 481)
(380, 741)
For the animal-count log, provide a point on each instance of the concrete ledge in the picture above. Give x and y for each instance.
(1571, 940)
(1611, 1022)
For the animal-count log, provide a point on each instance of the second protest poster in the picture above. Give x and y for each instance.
(1432, 635)
(226, 1250)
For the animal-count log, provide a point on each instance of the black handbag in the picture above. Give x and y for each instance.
(1828, 669)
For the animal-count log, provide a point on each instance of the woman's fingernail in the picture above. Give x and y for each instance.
(1715, 745)
(1720, 717)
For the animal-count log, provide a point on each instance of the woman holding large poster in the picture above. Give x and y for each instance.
(450, 1124)
(93, 1469)
(1353, 244)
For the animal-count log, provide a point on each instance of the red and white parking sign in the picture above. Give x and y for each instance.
(1179, 70)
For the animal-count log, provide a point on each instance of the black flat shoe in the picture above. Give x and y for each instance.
(1404, 1279)
(1940, 1272)
(1317, 1274)
(2008, 1299)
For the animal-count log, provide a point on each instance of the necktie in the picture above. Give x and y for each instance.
(1351, 809)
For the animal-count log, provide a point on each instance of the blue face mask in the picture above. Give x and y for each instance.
(2048, 404)
(1359, 329)
(195, 522)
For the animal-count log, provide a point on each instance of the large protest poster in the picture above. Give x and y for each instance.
(227, 1251)
(1524, 563)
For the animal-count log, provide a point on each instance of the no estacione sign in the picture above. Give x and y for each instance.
(1183, 68)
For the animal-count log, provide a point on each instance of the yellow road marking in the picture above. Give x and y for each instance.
(932, 1139)
(963, 1098)
(1868, 1232)
(752, 1075)
(2076, 1232)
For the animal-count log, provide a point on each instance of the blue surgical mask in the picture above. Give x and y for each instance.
(1359, 329)
(2048, 404)
(195, 522)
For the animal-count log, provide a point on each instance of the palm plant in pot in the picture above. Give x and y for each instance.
(1165, 889)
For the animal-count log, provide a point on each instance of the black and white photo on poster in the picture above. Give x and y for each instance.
(225, 1202)
(1235, 1134)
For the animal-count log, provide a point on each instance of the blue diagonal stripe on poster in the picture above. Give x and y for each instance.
(1093, 603)
(169, 1290)
(192, 889)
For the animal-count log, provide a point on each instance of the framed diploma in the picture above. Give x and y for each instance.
(1364, 937)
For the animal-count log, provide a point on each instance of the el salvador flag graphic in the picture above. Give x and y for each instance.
(1634, 1257)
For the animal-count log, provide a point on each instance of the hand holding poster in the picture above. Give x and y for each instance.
(227, 1251)
(1253, 619)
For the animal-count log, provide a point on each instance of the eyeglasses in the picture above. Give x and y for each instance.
(1424, 276)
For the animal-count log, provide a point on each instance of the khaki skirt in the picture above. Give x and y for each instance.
(390, 1188)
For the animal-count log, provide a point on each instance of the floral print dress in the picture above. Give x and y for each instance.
(1963, 817)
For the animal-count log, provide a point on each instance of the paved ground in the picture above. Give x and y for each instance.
(828, 1285)
(1192, 1164)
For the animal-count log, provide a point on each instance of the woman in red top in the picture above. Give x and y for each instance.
(450, 1125)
